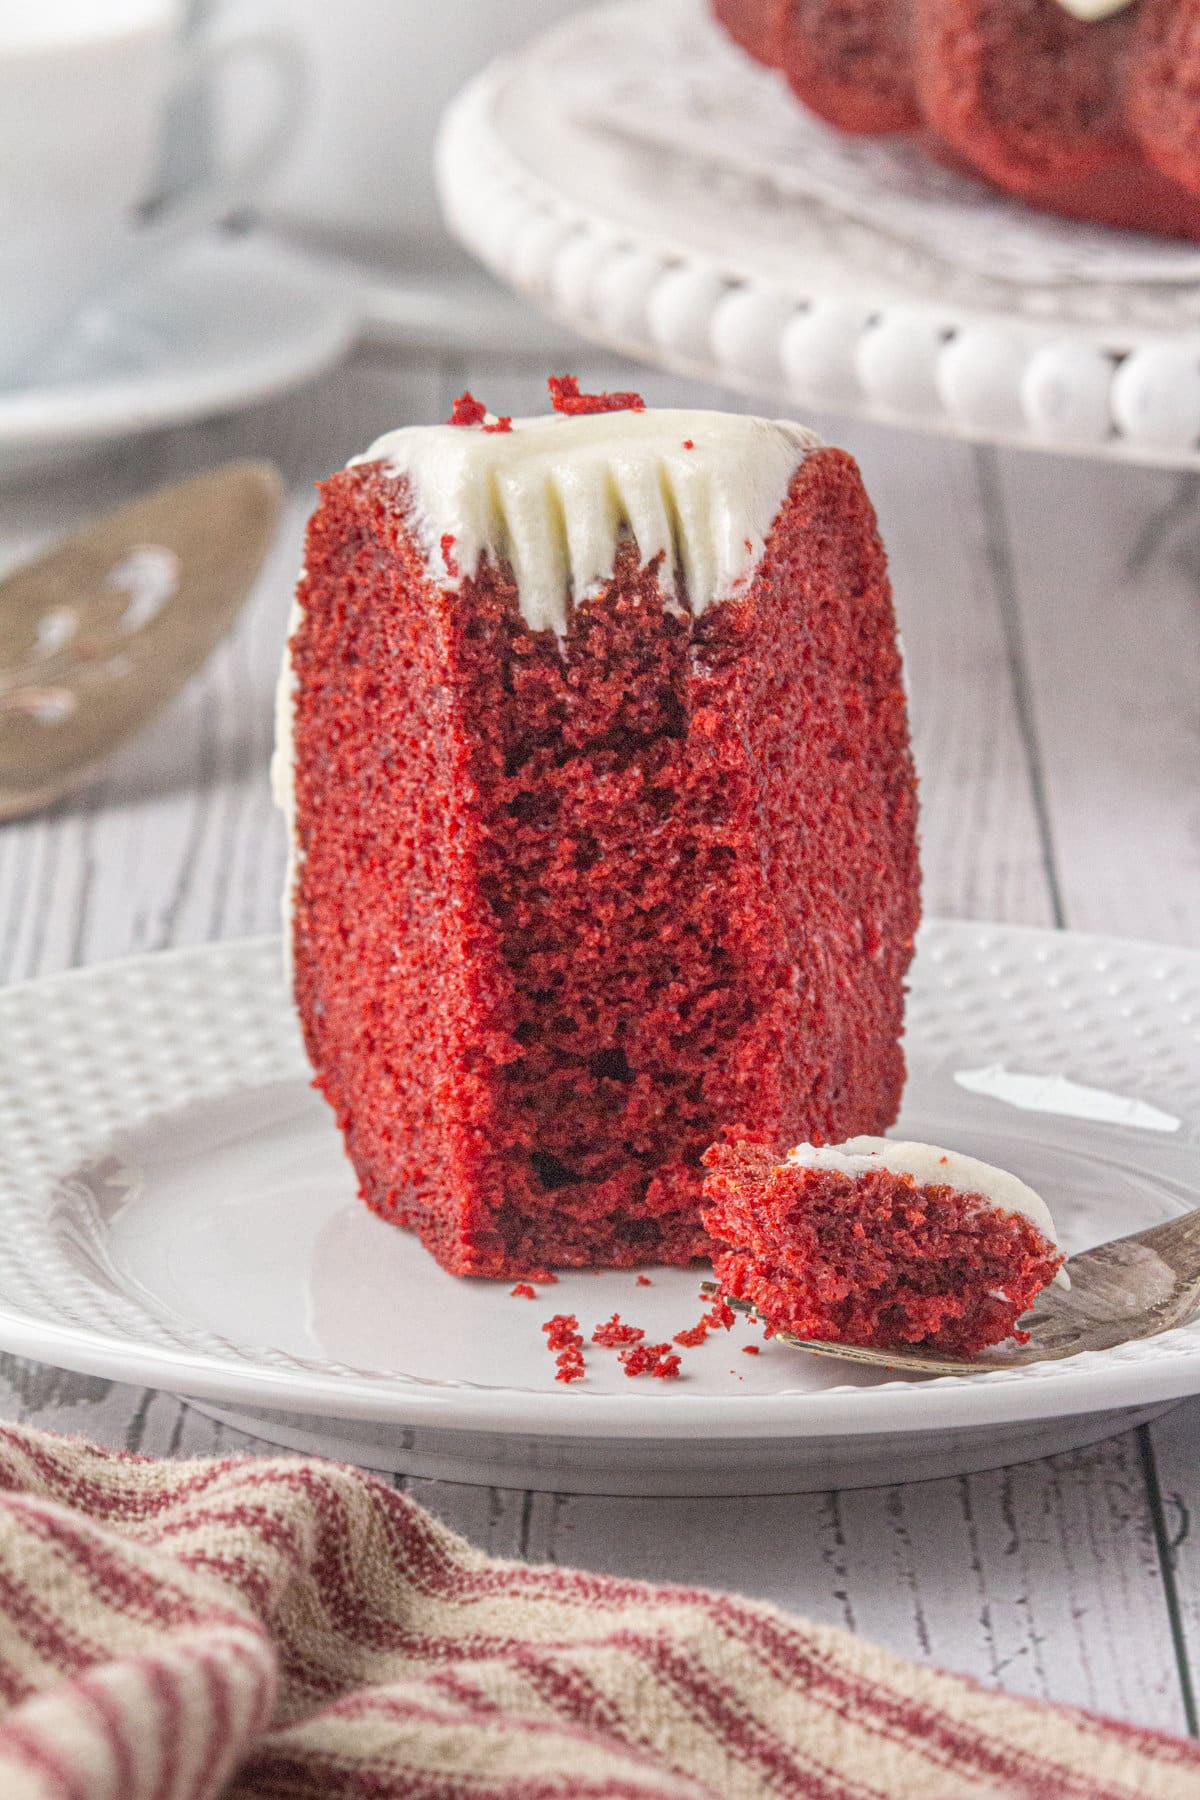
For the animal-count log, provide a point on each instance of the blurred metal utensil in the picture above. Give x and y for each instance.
(1131, 1287)
(98, 634)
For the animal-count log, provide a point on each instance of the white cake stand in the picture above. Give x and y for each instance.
(637, 176)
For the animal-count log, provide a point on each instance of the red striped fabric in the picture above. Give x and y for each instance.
(288, 1630)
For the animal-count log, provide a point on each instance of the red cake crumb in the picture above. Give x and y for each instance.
(561, 1331)
(449, 559)
(644, 1281)
(650, 1359)
(563, 1335)
(719, 1318)
(615, 1332)
(751, 1350)
(467, 410)
(874, 1258)
(523, 1291)
(565, 397)
(470, 411)
(564, 906)
(689, 444)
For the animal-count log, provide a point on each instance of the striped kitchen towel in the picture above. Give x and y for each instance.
(261, 1629)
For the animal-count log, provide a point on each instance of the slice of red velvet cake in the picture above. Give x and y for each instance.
(593, 744)
(878, 1243)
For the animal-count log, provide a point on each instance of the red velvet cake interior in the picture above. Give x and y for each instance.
(840, 1246)
(581, 875)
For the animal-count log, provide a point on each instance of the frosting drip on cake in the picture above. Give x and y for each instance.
(555, 496)
(931, 1167)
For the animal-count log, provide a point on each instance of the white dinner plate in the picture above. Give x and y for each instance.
(177, 1211)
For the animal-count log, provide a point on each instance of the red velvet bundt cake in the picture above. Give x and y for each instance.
(1085, 107)
(592, 738)
(878, 1243)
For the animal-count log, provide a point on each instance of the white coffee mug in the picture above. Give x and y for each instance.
(85, 88)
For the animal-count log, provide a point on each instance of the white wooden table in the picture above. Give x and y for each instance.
(1051, 614)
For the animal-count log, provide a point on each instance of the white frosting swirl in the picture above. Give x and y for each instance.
(553, 497)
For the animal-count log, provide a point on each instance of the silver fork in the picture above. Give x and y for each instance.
(1131, 1287)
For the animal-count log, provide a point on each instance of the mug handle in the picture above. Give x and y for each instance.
(207, 202)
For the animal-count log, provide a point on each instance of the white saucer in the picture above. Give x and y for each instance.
(223, 323)
(177, 1212)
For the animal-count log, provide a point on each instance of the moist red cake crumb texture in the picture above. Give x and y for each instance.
(565, 397)
(563, 908)
(658, 1360)
(615, 1332)
(1096, 119)
(719, 1319)
(562, 1331)
(565, 1341)
(875, 1259)
(467, 410)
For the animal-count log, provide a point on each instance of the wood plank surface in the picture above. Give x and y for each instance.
(1052, 632)
(1028, 1577)
(1101, 569)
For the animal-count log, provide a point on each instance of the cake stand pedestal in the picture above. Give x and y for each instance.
(639, 178)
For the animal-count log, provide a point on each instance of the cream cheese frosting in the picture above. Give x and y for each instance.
(553, 496)
(1092, 10)
(932, 1167)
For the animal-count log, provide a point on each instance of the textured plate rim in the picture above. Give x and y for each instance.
(1102, 1381)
